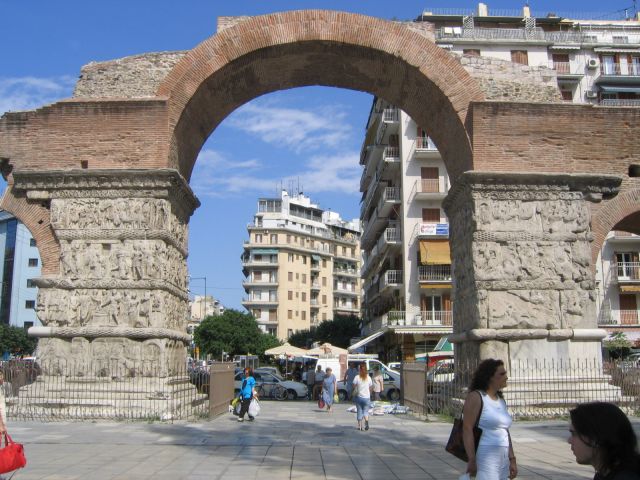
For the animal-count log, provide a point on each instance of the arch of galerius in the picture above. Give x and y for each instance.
(101, 180)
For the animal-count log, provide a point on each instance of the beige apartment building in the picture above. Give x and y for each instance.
(302, 265)
(407, 272)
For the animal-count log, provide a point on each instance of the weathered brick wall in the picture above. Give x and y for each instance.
(502, 80)
(128, 77)
(226, 22)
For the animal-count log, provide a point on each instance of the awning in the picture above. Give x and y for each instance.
(629, 288)
(564, 47)
(616, 50)
(421, 329)
(435, 252)
(435, 285)
(316, 258)
(365, 340)
(620, 88)
(264, 251)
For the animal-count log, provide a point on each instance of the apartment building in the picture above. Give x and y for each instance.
(21, 264)
(302, 265)
(407, 303)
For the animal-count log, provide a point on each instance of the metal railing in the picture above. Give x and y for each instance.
(620, 69)
(619, 102)
(567, 68)
(392, 277)
(535, 34)
(425, 318)
(425, 143)
(536, 388)
(619, 317)
(390, 115)
(390, 152)
(114, 389)
(434, 273)
(628, 270)
(430, 185)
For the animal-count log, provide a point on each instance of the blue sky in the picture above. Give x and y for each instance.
(307, 137)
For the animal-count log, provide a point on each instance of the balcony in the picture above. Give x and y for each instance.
(315, 286)
(423, 147)
(337, 290)
(267, 282)
(434, 273)
(614, 318)
(428, 318)
(611, 71)
(346, 272)
(391, 115)
(628, 272)
(391, 237)
(567, 69)
(259, 301)
(429, 189)
(534, 35)
(619, 102)
(391, 279)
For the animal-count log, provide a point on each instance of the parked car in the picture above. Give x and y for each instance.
(391, 384)
(294, 389)
(441, 375)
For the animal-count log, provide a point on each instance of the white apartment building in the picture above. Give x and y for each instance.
(406, 260)
(21, 265)
(302, 265)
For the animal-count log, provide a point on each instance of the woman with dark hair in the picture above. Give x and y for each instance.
(494, 459)
(602, 436)
(247, 392)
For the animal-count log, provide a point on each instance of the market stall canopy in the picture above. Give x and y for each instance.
(286, 349)
(327, 349)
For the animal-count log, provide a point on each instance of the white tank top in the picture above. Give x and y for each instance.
(494, 422)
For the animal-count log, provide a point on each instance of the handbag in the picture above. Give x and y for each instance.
(11, 455)
(336, 398)
(320, 403)
(455, 445)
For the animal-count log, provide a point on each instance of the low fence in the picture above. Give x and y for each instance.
(535, 389)
(99, 391)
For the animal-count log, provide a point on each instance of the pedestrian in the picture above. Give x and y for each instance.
(3, 406)
(311, 381)
(350, 374)
(303, 379)
(494, 459)
(317, 387)
(378, 383)
(247, 392)
(329, 388)
(362, 386)
(602, 436)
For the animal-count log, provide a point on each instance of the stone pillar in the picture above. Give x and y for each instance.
(524, 284)
(119, 302)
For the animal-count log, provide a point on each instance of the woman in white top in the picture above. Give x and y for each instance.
(362, 386)
(378, 383)
(494, 459)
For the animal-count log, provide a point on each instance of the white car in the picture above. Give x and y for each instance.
(391, 384)
(294, 389)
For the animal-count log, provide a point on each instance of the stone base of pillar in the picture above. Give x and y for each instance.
(53, 397)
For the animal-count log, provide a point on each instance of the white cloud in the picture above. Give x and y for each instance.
(216, 176)
(296, 129)
(28, 93)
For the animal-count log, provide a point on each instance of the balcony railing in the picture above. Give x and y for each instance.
(425, 143)
(434, 273)
(628, 270)
(535, 34)
(251, 299)
(390, 115)
(619, 317)
(429, 185)
(391, 194)
(392, 277)
(619, 102)
(620, 69)
(433, 318)
(390, 152)
(567, 68)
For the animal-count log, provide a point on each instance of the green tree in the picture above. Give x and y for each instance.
(15, 340)
(303, 338)
(338, 332)
(618, 345)
(233, 332)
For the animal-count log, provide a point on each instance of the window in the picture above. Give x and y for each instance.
(324, 317)
(290, 276)
(30, 283)
(567, 95)
(33, 262)
(324, 299)
(274, 238)
(289, 314)
(273, 315)
(304, 278)
(258, 238)
(288, 238)
(304, 315)
(290, 257)
(289, 332)
(608, 64)
(520, 56)
(304, 259)
(324, 281)
(304, 296)
(27, 325)
(430, 181)
(472, 52)
(561, 62)
(290, 295)
(257, 276)
(30, 304)
(431, 215)
(297, 276)
(324, 263)
(32, 242)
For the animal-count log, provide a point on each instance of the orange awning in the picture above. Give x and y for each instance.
(629, 288)
(435, 252)
(435, 285)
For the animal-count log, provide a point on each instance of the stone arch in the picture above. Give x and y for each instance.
(621, 212)
(316, 47)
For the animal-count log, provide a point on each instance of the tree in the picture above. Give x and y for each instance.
(338, 332)
(233, 332)
(618, 345)
(15, 340)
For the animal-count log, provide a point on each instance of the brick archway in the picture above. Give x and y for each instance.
(293, 49)
(621, 212)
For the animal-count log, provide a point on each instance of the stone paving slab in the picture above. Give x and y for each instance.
(289, 440)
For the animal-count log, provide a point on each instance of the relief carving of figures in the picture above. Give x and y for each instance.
(578, 308)
(524, 309)
(487, 257)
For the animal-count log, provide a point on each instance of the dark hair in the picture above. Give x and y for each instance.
(606, 428)
(247, 369)
(482, 376)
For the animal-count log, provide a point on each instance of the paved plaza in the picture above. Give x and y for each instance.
(289, 440)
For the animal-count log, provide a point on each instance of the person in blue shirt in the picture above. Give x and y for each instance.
(247, 392)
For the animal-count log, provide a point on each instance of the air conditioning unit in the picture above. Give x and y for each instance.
(592, 94)
(593, 63)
